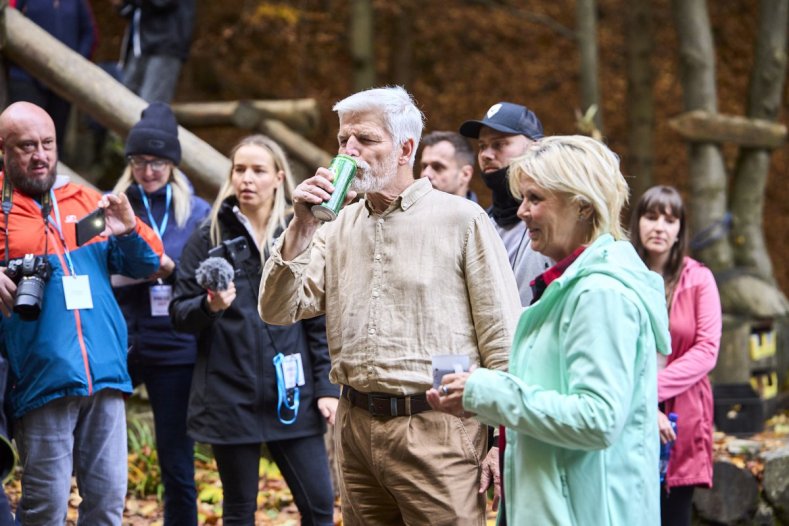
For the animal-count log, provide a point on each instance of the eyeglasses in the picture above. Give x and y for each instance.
(157, 165)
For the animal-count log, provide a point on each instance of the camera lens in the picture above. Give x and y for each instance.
(29, 295)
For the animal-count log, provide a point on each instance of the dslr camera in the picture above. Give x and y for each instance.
(234, 250)
(30, 273)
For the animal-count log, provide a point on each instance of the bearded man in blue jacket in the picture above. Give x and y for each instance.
(67, 351)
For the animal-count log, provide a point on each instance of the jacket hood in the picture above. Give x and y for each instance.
(619, 260)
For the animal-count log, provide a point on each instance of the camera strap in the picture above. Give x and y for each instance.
(8, 204)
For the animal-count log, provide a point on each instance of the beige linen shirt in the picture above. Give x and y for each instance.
(429, 276)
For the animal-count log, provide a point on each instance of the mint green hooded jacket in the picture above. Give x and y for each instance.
(580, 399)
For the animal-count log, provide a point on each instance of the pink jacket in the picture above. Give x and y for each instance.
(695, 326)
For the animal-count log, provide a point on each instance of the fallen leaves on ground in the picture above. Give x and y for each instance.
(275, 502)
(748, 452)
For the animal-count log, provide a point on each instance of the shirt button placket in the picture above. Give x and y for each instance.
(376, 293)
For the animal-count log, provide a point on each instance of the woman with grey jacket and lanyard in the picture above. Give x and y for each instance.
(255, 383)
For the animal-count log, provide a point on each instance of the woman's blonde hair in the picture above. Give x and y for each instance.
(282, 200)
(584, 169)
(182, 192)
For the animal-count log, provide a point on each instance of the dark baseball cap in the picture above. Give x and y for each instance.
(506, 117)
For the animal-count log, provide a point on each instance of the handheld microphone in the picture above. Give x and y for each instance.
(214, 274)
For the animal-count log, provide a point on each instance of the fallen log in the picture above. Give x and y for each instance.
(297, 146)
(301, 115)
(200, 114)
(99, 95)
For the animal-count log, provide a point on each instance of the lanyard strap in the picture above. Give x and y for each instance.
(286, 397)
(56, 224)
(157, 228)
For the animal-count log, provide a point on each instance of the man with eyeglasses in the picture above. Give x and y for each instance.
(67, 362)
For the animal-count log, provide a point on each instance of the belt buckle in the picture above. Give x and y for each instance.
(371, 408)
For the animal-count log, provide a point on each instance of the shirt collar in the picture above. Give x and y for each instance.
(415, 191)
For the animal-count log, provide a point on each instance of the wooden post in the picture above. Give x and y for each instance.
(705, 126)
(99, 95)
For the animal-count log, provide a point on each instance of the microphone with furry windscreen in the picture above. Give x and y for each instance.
(214, 274)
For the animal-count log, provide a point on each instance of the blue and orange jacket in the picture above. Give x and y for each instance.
(70, 352)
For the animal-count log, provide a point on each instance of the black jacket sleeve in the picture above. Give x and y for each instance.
(315, 329)
(188, 310)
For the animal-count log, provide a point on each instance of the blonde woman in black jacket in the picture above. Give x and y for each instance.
(255, 383)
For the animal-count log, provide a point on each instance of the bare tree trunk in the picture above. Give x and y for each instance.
(362, 44)
(640, 100)
(753, 164)
(404, 44)
(707, 170)
(586, 16)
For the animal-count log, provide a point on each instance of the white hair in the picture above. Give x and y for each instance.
(402, 118)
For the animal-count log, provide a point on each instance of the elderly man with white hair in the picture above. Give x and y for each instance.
(404, 275)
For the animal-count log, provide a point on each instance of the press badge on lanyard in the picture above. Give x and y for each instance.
(160, 293)
(160, 299)
(77, 292)
(290, 375)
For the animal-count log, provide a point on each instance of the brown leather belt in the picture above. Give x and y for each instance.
(384, 405)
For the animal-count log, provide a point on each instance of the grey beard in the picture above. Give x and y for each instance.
(373, 180)
(30, 187)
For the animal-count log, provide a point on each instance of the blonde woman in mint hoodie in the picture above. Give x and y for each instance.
(579, 402)
(659, 234)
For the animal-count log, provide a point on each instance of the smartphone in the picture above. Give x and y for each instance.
(90, 226)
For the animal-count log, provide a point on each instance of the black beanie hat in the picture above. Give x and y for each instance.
(156, 133)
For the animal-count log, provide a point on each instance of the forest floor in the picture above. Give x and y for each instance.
(275, 502)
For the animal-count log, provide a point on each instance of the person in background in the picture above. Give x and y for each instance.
(71, 22)
(375, 272)
(8, 455)
(448, 162)
(660, 236)
(160, 357)
(503, 134)
(156, 45)
(579, 401)
(67, 365)
(255, 383)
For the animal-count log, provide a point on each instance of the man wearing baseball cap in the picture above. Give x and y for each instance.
(504, 133)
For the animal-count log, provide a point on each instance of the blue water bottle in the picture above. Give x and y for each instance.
(665, 449)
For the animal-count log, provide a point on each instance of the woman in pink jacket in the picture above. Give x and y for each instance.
(660, 237)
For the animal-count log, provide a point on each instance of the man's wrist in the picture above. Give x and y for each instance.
(298, 237)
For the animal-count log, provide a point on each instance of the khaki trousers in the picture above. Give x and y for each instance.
(413, 470)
